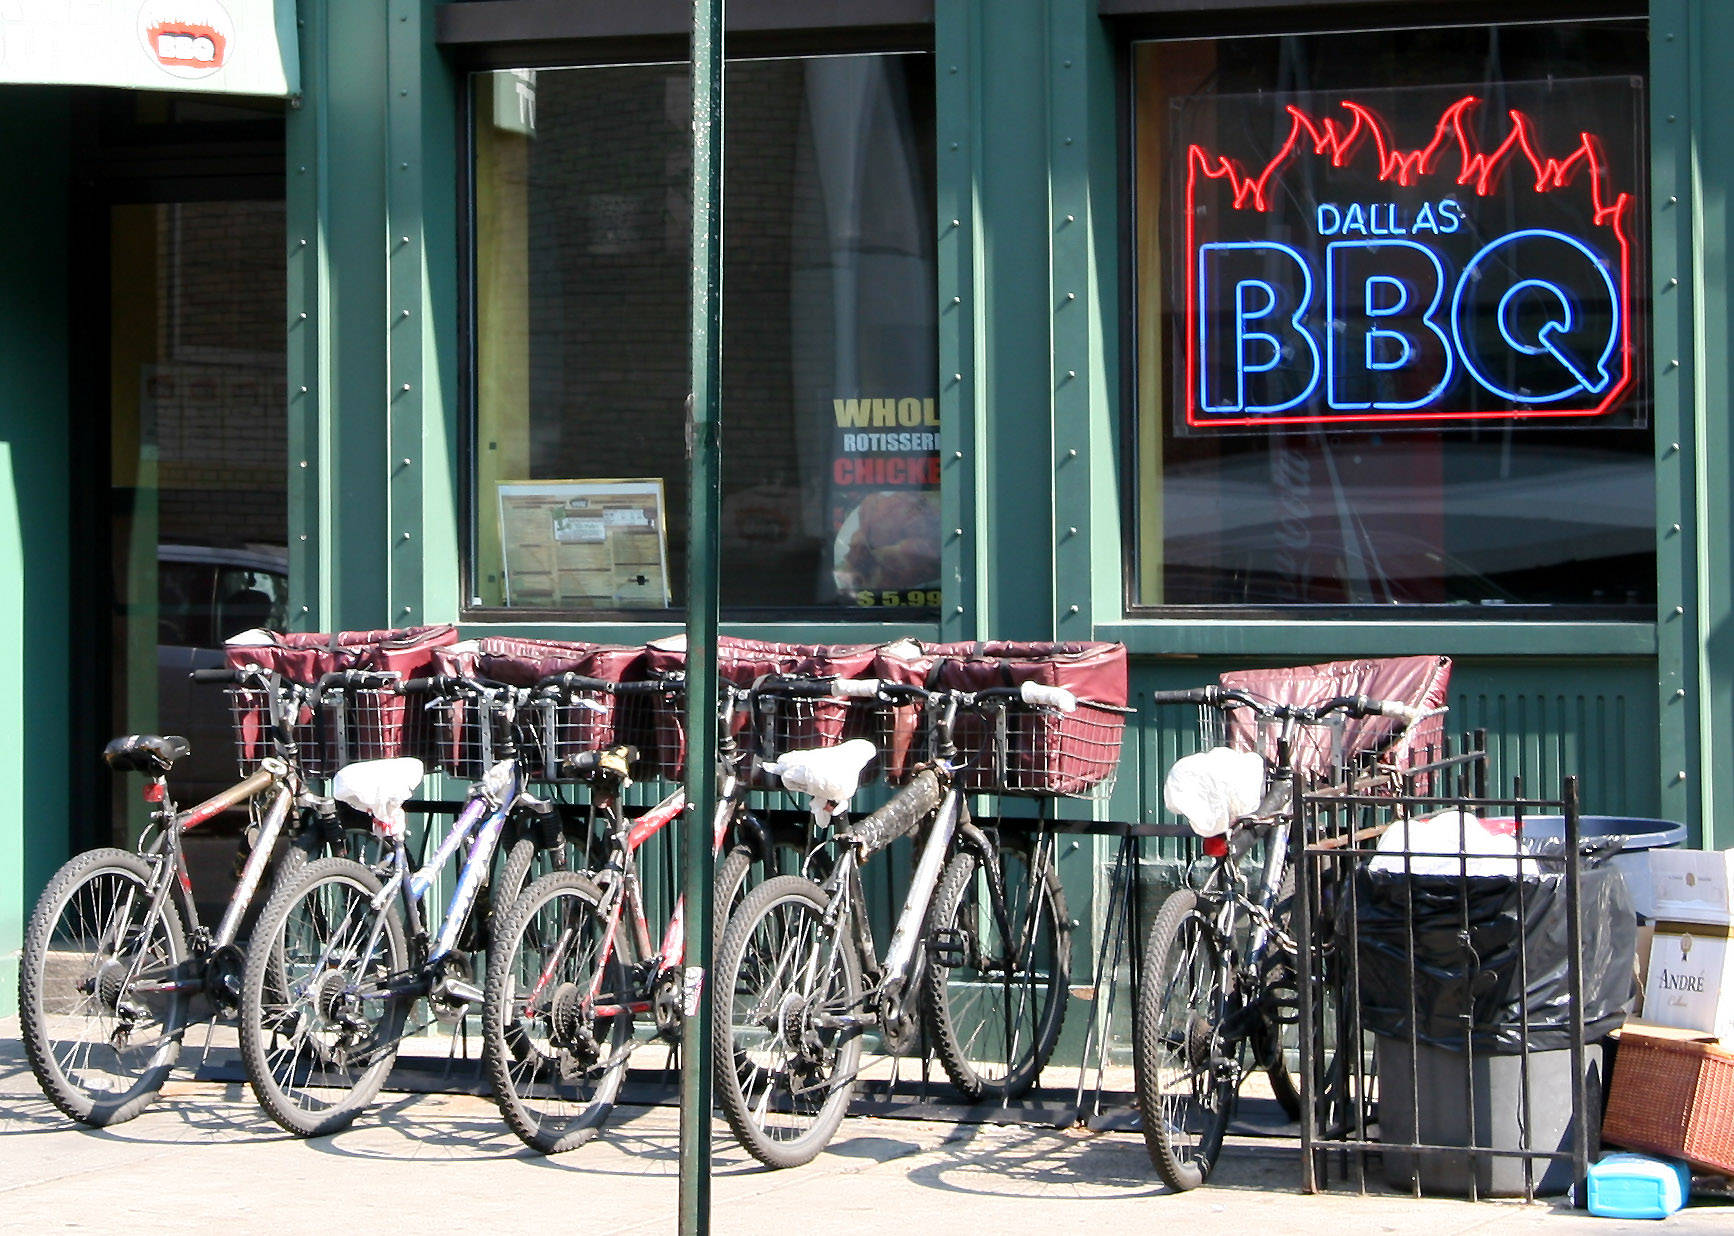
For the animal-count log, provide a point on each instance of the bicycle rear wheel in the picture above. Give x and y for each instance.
(785, 1067)
(100, 1040)
(1185, 1076)
(997, 971)
(319, 1025)
(556, 1062)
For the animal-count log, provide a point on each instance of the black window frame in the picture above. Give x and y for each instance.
(1139, 21)
(480, 36)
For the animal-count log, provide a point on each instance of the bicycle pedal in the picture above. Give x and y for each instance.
(458, 991)
(948, 947)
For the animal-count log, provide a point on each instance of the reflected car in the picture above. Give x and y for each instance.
(205, 594)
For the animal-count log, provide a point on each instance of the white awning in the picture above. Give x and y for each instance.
(222, 46)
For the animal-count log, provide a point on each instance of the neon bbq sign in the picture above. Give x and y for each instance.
(1352, 281)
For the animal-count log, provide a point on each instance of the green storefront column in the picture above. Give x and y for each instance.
(372, 153)
(35, 478)
(1693, 170)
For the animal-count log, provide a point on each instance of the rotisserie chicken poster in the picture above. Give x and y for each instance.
(885, 501)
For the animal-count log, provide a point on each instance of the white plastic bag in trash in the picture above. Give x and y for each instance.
(1452, 842)
(1214, 788)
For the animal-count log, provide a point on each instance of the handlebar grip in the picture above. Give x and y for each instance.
(357, 679)
(1048, 697)
(1408, 714)
(572, 681)
(425, 686)
(856, 688)
(216, 675)
(1192, 695)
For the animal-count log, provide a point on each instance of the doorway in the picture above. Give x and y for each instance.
(181, 295)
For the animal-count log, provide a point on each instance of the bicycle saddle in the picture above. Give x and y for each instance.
(147, 753)
(830, 775)
(378, 787)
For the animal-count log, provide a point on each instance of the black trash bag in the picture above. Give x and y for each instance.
(1466, 986)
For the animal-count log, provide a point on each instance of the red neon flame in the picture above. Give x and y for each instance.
(1480, 169)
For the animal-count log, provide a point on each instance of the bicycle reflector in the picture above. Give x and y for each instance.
(1217, 846)
(153, 791)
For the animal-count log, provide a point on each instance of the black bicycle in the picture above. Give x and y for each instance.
(1216, 997)
(799, 980)
(115, 951)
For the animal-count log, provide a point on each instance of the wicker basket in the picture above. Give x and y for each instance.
(1675, 1098)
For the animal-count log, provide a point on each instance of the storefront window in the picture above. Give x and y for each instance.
(1392, 326)
(581, 275)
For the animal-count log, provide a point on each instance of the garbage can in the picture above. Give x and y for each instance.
(1485, 1004)
(1638, 836)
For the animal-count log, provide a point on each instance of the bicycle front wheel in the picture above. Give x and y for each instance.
(787, 1041)
(556, 1016)
(320, 1022)
(99, 1009)
(998, 949)
(1185, 1071)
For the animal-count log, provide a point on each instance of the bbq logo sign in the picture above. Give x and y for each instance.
(1346, 278)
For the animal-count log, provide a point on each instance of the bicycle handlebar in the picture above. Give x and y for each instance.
(353, 679)
(1227, 698)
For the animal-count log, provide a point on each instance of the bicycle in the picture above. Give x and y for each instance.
(576, 963)
(1207, 1004)
(320, 1028)
(115, 951)
(799, 979)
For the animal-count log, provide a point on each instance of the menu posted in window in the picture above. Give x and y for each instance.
(584, 544)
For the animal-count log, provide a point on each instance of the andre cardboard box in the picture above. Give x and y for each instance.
(1690, 982)
(1693, 886)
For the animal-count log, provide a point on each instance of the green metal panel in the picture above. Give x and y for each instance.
(962, 329)
(421, 318)
(373, 319)
(1674, 277)
(306, 188)
(1545, 719)
(338, 148)
(35, 481)
(1014, 540)
(1690, 44)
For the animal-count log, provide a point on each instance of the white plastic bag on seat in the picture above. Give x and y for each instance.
(380, 788)
(1214, 788)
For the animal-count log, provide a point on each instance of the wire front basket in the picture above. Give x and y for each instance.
(475, 729)
(570, 721)
(316, 739)
(1012, 747)
(1037, 751)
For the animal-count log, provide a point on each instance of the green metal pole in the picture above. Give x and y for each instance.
(701, 607)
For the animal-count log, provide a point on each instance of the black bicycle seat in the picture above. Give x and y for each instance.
(146, 753)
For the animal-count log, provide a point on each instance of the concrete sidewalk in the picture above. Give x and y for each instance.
(204, 1156)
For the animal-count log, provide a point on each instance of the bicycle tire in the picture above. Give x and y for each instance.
(735, 877)
(99, 1077)
(307, 999)
(515, 874)
(783, 1082)
(555, 1067)
(995, 1018)
(1185, 1087)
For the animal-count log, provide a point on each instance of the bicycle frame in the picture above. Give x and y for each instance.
(481, 822)
(169, 861)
